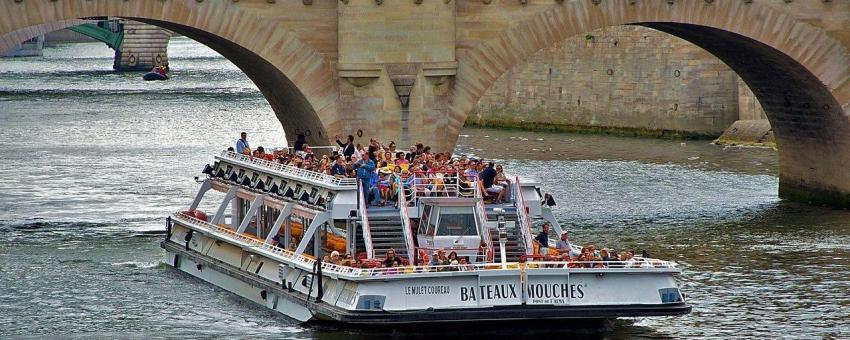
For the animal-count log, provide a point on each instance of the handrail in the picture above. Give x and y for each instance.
(482, 216)
(306, 262)
(407, 228)
(363, 207)
(290, 170)
(522, 217)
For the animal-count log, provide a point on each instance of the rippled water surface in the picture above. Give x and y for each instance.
(91, 161)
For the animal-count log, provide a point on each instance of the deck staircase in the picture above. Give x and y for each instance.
(387, 232)
(514, 247)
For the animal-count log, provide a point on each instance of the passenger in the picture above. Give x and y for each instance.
(542, 240)
(338, 169)
(465, 265)
(606, 258)
(563, 245)
(300, 140)
(439, 259)
(388, 261)
(334, 258)
(422, 266)
(453, 266)
(453, 257)
(384, 186)
(365, 168)
(347, 147)
(242, 143)
(347, 261)
(488, 180)
(246, 151)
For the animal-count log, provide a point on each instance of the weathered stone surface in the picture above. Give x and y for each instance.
(622, 78)
(748, 133)
(144, 47)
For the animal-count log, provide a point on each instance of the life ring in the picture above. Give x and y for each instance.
(159, 59)
(132, 60)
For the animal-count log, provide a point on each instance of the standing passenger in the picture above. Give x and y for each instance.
(542, 239)
(242, 143)
(348, 147)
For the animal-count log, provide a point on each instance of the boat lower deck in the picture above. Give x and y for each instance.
(295, 304)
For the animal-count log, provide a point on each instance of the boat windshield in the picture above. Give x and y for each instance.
(456, 221)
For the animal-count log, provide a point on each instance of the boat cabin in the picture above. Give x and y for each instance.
(451, 224)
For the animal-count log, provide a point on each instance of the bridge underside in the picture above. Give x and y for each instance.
(290, 106)
(811, 128)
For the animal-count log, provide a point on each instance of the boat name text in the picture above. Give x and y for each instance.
(427, 290)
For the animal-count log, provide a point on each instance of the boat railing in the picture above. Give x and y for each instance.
(307, 262)
(481, 216)
(438, 184)
(290, 170)
(363, 207)
(578, 266)
(407, 228)
(523, 219)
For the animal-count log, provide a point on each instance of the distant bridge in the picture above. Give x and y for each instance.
(411, 70)
(146, 45)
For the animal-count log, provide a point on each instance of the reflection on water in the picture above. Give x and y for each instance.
(92, 160)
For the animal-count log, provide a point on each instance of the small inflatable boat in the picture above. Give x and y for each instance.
(154, 76)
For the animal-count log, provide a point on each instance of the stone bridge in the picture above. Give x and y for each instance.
(411, 70)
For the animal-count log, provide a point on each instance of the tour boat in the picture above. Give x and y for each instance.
(274, 224)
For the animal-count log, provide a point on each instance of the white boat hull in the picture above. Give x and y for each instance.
(435, 297)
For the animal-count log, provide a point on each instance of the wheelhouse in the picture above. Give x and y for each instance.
(450, 224)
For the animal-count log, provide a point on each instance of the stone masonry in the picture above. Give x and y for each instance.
(629, 79)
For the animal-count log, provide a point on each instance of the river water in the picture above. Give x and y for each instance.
(91, 161)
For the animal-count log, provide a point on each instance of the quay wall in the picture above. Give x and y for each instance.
(622, 79)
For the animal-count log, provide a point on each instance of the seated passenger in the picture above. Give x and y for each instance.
(388, 261)
(334, 258)
(563, 245)
(488, 180)
(338, 169)
(465, 265)
(440, 259)
(422, 266)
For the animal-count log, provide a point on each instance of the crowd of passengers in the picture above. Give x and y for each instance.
(562, 255)
(379, 166)
(382, 167)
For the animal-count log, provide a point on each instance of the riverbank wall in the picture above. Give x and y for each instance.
(624, 80)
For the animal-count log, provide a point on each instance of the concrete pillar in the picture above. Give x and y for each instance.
(144, 47)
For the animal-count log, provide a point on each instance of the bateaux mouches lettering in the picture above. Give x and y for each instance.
(555, 291)
(489, 292)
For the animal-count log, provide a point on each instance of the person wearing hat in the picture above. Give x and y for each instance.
(563, 245)
(334, 257)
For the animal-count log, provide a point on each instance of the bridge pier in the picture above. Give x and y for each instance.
(144, 47)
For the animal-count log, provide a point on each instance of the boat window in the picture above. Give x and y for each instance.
(423, 222)
(432, 221)
(457, 221)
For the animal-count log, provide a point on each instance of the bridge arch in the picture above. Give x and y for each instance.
(798, 72)
(294, 77)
